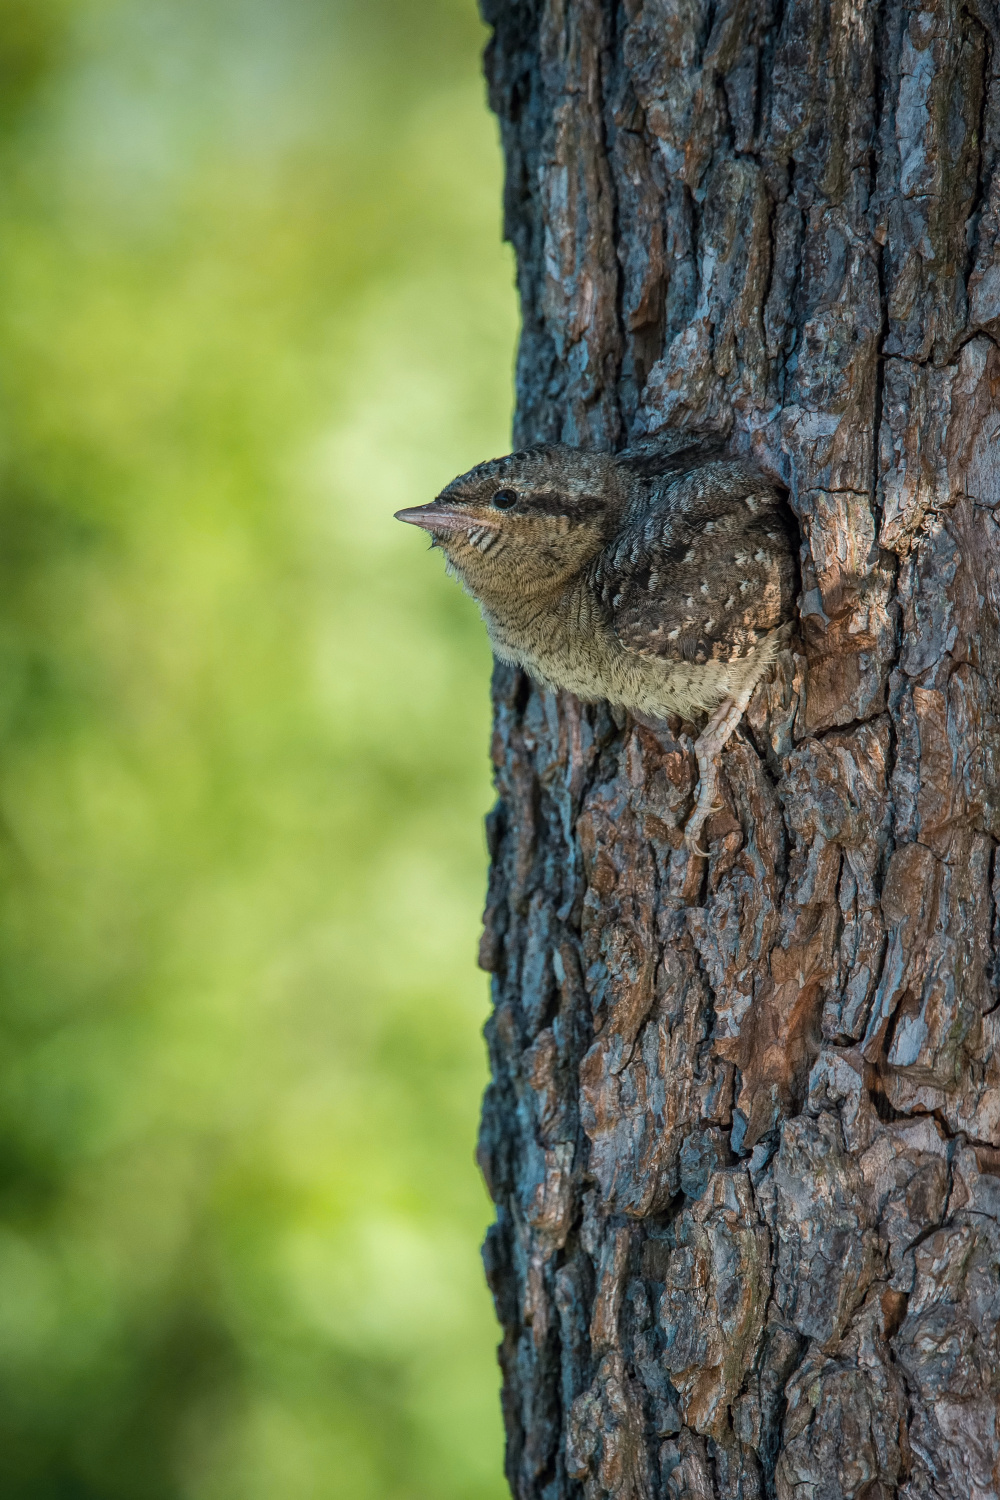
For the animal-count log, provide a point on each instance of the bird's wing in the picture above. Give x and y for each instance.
(654, 457)
(703, 574)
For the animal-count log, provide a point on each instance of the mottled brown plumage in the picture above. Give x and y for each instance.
(656, 581)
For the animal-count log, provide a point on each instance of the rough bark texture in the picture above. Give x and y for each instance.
(744, 1129)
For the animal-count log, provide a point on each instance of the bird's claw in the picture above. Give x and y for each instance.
(691, 835)
(691, 842)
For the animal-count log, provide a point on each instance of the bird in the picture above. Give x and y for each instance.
(662, 581)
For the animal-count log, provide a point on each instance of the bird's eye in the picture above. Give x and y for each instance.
(505, 499)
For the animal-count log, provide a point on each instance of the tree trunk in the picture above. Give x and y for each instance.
(744, 1129)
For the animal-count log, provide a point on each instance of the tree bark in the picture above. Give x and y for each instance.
(743, 1132)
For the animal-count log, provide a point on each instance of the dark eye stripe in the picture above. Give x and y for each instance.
(505, 499)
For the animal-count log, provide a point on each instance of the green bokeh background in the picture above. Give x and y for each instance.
(252, 300)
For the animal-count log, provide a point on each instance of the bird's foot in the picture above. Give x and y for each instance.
(703, 808)
(708, 748)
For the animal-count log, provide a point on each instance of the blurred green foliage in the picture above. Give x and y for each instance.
(252, 299)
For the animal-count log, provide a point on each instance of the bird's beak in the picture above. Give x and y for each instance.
(443, 518)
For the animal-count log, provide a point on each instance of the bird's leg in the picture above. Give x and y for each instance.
(708, 747)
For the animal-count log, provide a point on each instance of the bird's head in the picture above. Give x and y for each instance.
(525, 523)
